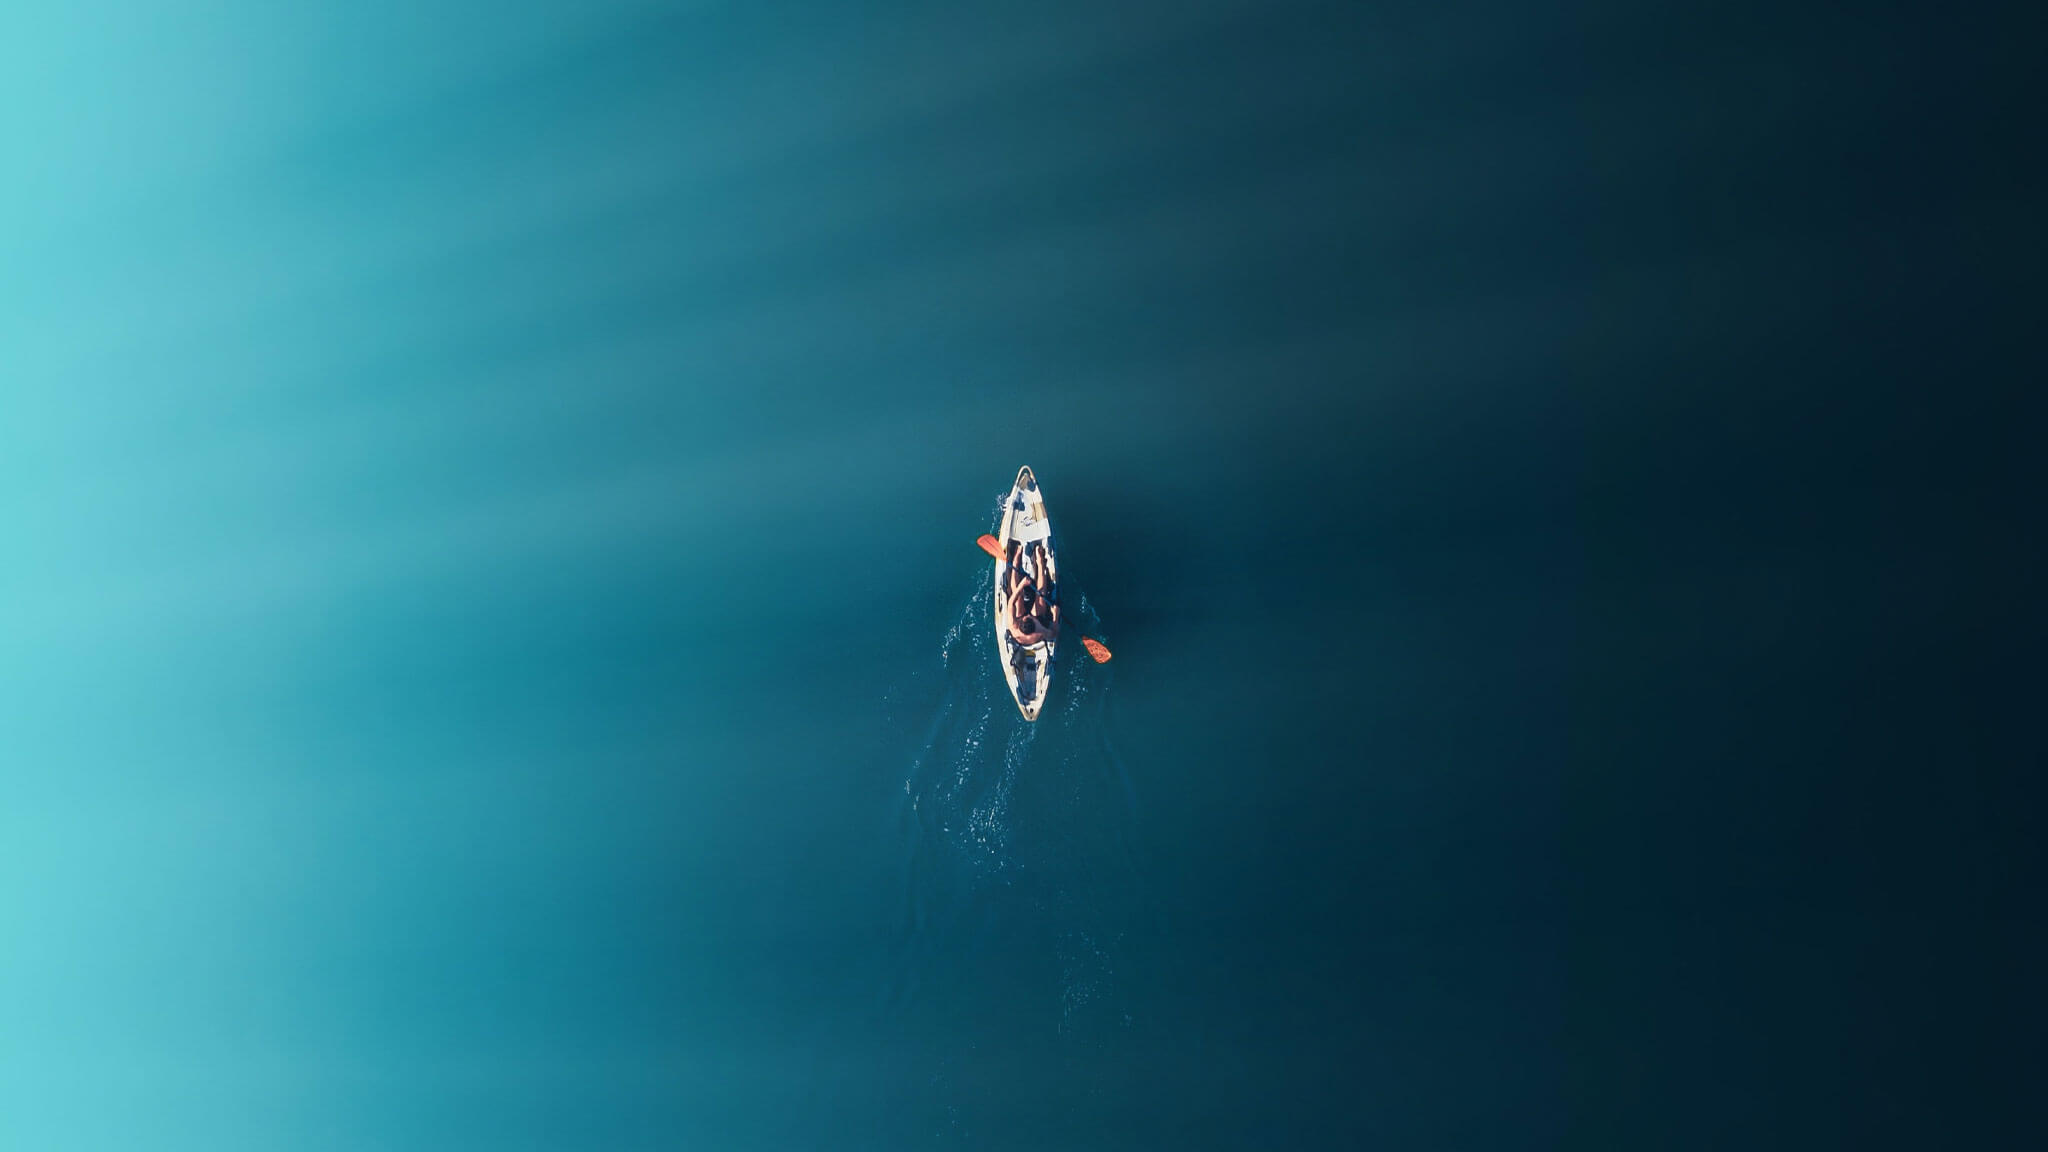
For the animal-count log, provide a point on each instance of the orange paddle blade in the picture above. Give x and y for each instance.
(1095, 649)
(990, 545)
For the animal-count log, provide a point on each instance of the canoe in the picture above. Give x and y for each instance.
(1026, 543)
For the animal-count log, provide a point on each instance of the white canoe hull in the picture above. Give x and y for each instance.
(1026, 668)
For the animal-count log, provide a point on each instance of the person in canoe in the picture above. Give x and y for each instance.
(1034, 615)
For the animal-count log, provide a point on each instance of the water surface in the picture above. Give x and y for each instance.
(495, 654)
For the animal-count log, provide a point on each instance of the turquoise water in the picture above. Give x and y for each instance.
(495, 653)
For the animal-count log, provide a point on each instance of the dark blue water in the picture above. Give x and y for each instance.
(493, 652)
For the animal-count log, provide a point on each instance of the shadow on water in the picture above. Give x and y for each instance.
(1021, 882)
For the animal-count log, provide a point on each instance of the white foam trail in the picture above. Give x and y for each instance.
(973, 839)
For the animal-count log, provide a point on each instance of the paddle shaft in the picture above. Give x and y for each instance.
(1097, 651)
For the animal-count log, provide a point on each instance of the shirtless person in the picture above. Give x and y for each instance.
(1034, 614)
